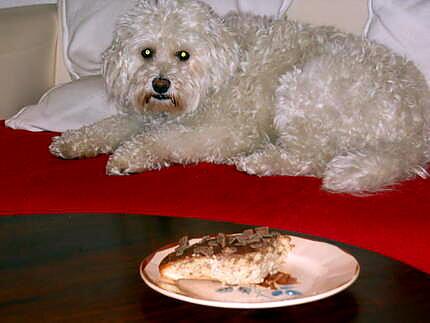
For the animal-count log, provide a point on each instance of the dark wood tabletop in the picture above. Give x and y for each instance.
(84, 268)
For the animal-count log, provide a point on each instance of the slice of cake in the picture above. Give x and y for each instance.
(234, 259)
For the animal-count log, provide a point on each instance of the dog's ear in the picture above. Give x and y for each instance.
(224, 53)
(114, 71)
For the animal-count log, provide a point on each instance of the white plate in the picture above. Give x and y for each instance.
(321, 270)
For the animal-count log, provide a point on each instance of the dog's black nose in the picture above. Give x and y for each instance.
(160, 85)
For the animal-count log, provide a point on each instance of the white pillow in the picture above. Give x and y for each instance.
(68, 106)
(403, 26)
(88, 26)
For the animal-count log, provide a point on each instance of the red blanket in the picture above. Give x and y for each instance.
(395, 223)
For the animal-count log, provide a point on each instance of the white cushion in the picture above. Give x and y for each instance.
(88, 26)
(403, 26)
(68, 106)
(347, 15)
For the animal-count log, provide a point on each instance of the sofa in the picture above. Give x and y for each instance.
(36, 55)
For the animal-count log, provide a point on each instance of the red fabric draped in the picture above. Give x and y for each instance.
(395, 223)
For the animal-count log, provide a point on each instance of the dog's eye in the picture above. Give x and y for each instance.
(147, 53)
(183, 55)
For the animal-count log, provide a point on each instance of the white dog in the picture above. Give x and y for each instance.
(271, 97)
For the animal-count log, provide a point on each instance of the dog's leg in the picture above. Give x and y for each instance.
(141, 153)
(177, 143)
(101, 137)
(372, 170)
(273, 160)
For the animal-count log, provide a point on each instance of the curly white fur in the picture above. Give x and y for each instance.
(272, 97)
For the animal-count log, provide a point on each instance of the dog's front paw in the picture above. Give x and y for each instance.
(75, 144)
(63, 148)
(119, 165)
(253, 165)
(272, 161)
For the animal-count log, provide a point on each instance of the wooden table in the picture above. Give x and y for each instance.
(84, 268)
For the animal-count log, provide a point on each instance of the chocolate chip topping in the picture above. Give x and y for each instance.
(248, 233)
(183, 245)
(212, 243)
(250, 240)
(262, 231)
(205, 251)
(183, 242)
(221, 240)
